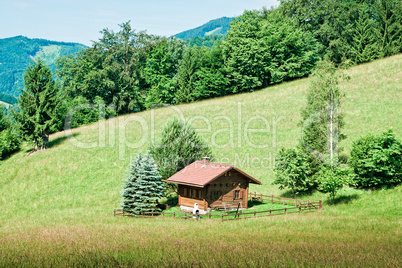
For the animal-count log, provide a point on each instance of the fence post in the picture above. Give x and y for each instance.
(272, 199)
(261, 197)
(222, 216)
(285, 212)
(174, 214)
(254, 214)
(299, 208)
(270, 211)
(283, 201)
(320, 205)
(163, 213)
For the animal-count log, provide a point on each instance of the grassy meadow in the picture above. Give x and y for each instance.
(4, 103)
(57, 205)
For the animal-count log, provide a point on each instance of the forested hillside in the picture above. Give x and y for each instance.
(218, 26)
(131, 71)
(17, 52)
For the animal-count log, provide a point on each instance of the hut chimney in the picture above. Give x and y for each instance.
(205, 161)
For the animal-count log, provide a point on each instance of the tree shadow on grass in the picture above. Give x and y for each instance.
(289, 194)
(254, 202)
(59, 140)
(171, 201)
(52, 143)
(342, 199)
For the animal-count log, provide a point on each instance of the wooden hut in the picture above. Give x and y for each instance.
(211, 185)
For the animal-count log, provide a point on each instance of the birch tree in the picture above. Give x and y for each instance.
(322, 119)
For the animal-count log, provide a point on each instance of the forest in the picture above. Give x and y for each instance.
(133, 71)
(129, 71)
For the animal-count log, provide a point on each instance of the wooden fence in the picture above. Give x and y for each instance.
(300, 206)
(284, 200)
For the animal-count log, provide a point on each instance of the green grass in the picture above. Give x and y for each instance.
(4, 103)
(57, 205)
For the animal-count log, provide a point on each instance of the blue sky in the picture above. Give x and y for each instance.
(81, 20)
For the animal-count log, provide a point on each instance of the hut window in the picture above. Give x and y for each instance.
(216, 195)
(236, 194)
(185, 192)
(199, 193)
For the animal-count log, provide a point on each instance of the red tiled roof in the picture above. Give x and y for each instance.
(198, 174)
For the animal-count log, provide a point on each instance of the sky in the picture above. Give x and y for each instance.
(81, 21)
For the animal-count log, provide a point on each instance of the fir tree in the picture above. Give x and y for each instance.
(142, 188)
(364, 45)
(179, 146)
(38, 102)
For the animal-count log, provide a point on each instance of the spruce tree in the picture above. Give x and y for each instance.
(38, 102)
(142, 188)
(363, 46)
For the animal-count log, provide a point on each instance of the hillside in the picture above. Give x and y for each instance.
(57, 205)
(214, 27)
(17, 52)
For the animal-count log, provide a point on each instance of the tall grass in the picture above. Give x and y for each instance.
(57, 205)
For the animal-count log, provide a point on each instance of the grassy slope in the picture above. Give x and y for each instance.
(4, 103)
(57, 205)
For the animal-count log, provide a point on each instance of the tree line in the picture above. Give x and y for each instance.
(129, 71)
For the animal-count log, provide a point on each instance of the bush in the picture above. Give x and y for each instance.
(331, 181)
(294, 170)
(377, 160)
(9, 143)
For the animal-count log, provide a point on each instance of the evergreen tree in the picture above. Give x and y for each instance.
(363, 44)
(186, 76)
(37, 102)
(388, 17)
(180, 145)
(142, 188)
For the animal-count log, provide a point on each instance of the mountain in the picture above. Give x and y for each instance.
(17, 52)
(214, 27)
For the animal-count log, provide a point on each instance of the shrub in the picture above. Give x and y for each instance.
(377, 160)
(294, 170)
(9, 143)
(331, 181)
